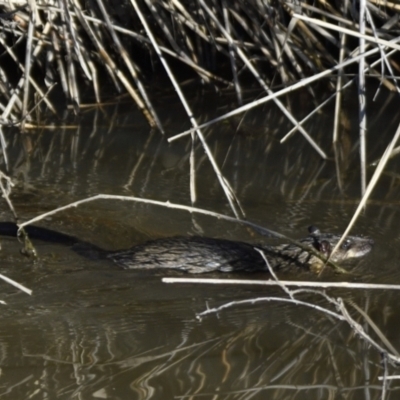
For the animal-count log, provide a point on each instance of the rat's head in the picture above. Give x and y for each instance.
(351, 248)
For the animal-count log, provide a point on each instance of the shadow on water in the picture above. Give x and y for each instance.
(91, 330)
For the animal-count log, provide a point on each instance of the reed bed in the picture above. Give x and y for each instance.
(59, 54)
(74, 48)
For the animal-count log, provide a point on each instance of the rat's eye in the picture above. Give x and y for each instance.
(346, 244)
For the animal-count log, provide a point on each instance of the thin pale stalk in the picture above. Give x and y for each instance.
(385, 374)
(263, 84)
(16, 284)
(372, 324)
(269, 299)
(112, 67)
(386, 4)
(312, 42)
(60, 64)
(325, 102)
(139, 161)
(4, 148)
(384, 58)
(279, 93)
(31, 80)
(167, 204)
(293, 59)
(231, 197)
(362, 100)
(166, 32)
(101, 50)
(232, 59)
(142, 39)
(73, 91)
(371, 185)
(96, 87)
(14, 99)
(339, 83)
(74, 37)
(28, 54)
(269, 282)
(389, 43)
(154, 121)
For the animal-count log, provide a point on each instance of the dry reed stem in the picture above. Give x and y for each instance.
(372, 324)
(262, 83)
(151, 114)
(307, 284)
(279, 93)
(336, 96)
(28, 54)
(16, 284)
(339, 82)
(375, 177)
(362, 101)
(387, 43)
(261, 230)
(229, 193)
(22, 81)
(232, 57)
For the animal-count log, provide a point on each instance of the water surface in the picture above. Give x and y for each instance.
(91, 330)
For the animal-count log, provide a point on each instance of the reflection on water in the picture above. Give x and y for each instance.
(93, 331)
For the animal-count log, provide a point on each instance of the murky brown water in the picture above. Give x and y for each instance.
(93, 331)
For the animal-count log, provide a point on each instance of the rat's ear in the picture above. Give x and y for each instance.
(313, 230)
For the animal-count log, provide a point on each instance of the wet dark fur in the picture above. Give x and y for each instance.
(201, 254)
